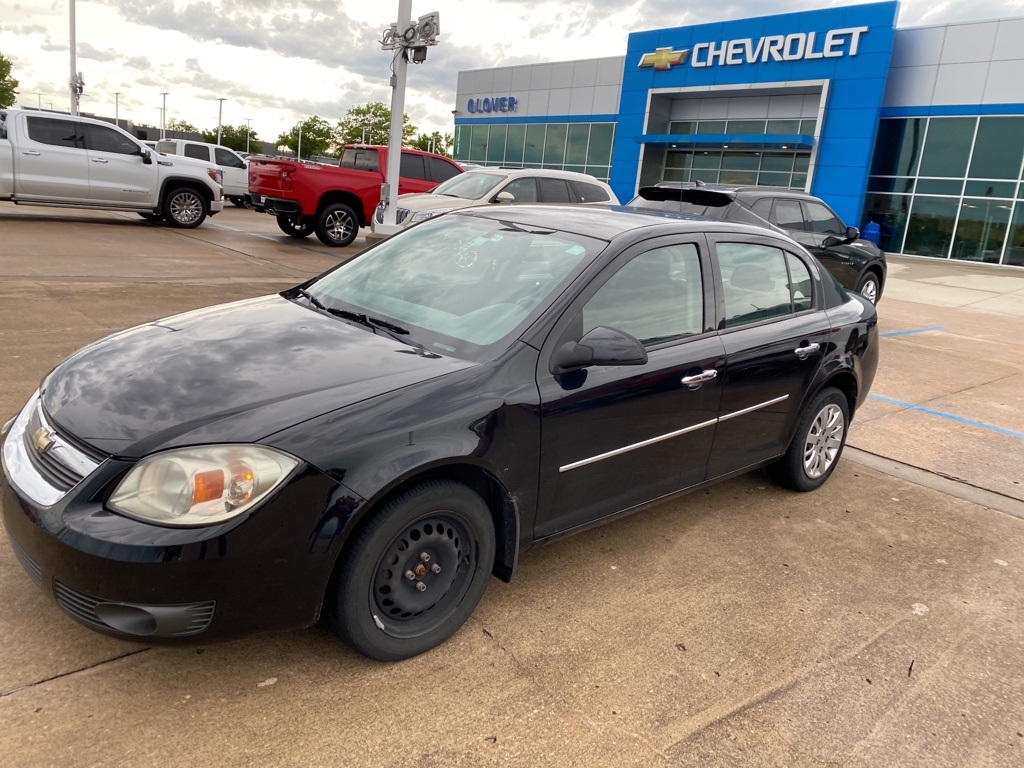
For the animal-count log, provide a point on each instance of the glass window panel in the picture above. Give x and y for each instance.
(576, 146)
(678, 159)
(883, 184)
(898, 147)
(534, 153)
(554, 145)
(981, 230)
(674, 174)
(990, 188)
(196, 151)
(711, 126)
(103, 139)
(707, 159)
(554, 191)
(801, 162)
(59, 133)
(755, 282)
(741, 161)
(773, 179)
(524, 190)
(822, 220)
(601, 172)
(1015, 243)
(947, 146)
(737, 177)
(930, 228)
(939, 187)
(763, 207)
(800, 283)
(478, 144)
(890, 213)
(998, 148)
(682, 127)
(783, 126)
(808, 127)
(514, 141)
(777, 161)
(600, 150)
(745, 126)
(656, 297)
(496, 144)
(799, 181)
(789, 215)
(575, 168)
(707, 176)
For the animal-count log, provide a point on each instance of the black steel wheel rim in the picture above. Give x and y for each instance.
(437, 551)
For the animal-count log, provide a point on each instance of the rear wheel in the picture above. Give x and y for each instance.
(185, 208)
(869, 287)
(817, 444)
(294, 226)
(337, 225)
(415, 572)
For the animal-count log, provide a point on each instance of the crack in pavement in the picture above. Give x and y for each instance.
(45, 680)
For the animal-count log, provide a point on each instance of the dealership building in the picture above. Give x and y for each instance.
(918, 129)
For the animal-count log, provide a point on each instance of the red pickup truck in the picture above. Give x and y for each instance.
(335, 201)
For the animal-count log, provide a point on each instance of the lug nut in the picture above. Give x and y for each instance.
(435, 568)
(424, 557)
(410, 576)
(421, 586)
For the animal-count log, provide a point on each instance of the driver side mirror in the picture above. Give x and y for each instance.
(852, 233)
(147, 157)
(601, 346)
(504, 197)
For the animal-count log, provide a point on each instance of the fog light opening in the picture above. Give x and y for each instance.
(129, 619)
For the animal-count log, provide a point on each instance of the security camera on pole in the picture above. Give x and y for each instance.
(405, 39)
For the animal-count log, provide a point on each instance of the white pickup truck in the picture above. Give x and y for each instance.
(52, 159)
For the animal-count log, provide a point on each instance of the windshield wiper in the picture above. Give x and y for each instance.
(373, 323)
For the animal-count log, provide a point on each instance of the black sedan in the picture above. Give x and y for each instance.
(859, 265)
(373, 445)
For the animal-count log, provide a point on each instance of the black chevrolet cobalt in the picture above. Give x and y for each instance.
(373, 445)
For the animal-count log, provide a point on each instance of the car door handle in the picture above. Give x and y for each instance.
(803, 352)
(31, 152)
(100, 160)
(693, 382)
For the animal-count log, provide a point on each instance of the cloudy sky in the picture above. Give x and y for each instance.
(280, 61)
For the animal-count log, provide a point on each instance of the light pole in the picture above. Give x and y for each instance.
(40, 97)
(220, 111)
(248, 131)
(117, 112)
(163, 117)
(73, 82)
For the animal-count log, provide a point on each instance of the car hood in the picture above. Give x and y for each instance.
(231, 373)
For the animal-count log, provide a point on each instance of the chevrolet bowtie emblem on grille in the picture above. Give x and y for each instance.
(42, 439)
(664, 58)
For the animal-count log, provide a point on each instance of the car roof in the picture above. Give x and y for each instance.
(550, 173)
(609, 222)
(736, 190)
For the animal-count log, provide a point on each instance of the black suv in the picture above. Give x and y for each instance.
(858, 264)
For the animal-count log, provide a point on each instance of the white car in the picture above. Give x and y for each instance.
(235, 168)
(482, 186)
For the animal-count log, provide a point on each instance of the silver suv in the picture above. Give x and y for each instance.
(483, 186)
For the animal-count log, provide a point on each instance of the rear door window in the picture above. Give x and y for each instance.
(590, 193)
(198, 151)
(360, 160)
(56, 132)
(554, 191)
(788, 215)
(755, 283)
(412, 166)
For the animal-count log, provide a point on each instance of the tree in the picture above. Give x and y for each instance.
(317, 136)
(7, 83)
(370, 124)
(181, 125)
(435, 142)
(234, 137)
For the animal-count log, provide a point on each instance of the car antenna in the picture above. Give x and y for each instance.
(699, 183)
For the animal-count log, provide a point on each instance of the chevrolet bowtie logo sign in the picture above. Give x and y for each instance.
(43, 439)
(664, 58)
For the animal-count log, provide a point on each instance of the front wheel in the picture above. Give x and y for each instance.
(817, 444)
(294, 226)
(869, 287)
(185, 208)
(337, 225)
(415, 572)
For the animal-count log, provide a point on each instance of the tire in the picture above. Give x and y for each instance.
(151, 216)
(237, 201)
(380, 612)
(817, 445)
(869, 287)
(295, 227)
(337, 225)
(185, 208)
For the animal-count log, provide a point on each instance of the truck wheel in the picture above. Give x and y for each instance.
(238, 201)
(295, 227)
(337, 225)
(184, 208)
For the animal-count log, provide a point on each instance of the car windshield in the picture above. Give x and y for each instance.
(462, 285)
(469, 186)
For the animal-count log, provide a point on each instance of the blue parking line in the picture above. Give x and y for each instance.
(276, 240)
(912, 331)
(950, 416)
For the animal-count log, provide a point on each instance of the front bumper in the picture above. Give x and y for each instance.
(123, 577)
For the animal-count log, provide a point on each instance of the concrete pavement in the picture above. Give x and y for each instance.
(876, 622)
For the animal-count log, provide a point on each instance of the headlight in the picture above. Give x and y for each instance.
(200, 486)
(424, 215)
